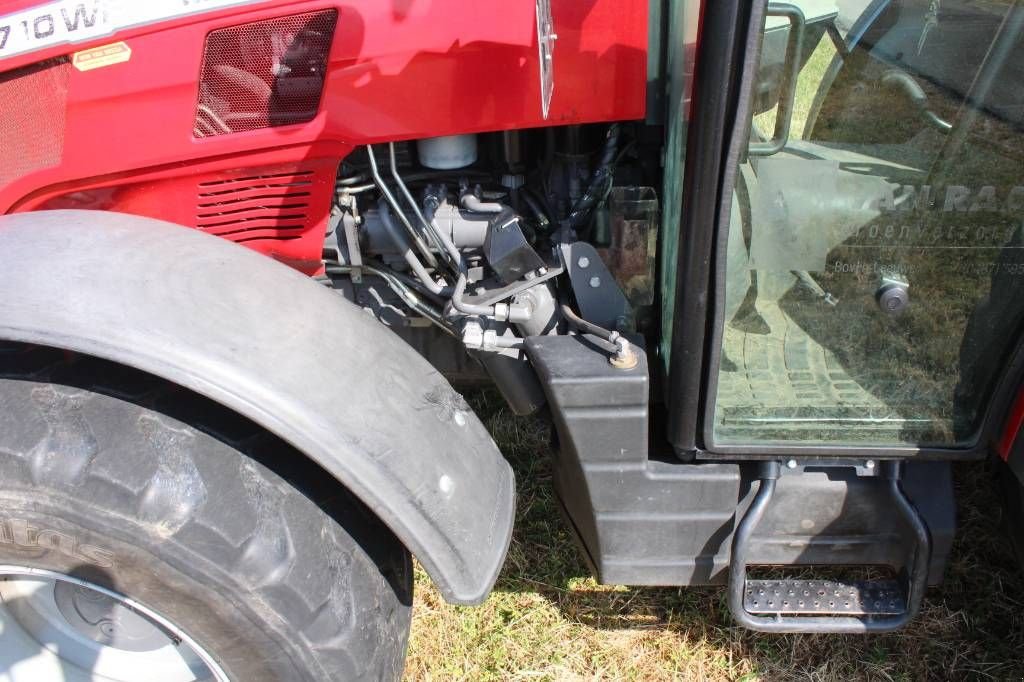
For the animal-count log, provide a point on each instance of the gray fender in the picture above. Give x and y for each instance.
(284, 351)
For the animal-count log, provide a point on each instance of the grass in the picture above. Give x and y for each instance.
(547, 619)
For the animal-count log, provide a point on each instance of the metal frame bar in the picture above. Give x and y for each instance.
(917, 575)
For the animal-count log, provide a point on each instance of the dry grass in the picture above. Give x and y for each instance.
(548, 620)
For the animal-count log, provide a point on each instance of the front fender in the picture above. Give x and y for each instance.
(282, 350)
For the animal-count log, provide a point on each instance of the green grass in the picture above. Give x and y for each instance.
(549, 620)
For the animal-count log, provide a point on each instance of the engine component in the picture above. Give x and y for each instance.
(507, 250)
(447, 152)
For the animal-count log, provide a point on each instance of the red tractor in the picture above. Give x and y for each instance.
(758, 263)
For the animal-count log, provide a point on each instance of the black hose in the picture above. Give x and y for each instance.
(543, 221)
(599, 183)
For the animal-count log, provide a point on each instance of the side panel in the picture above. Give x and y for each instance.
(285, 352)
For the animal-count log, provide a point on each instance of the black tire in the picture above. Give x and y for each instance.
(160, 495)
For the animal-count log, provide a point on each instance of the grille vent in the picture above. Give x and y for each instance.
(264, 74)
(33, 104)
(243, 209)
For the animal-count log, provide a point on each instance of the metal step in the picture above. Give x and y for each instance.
(828, 605)
(819, 597)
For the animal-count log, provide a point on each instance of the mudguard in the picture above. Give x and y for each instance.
(284, 351)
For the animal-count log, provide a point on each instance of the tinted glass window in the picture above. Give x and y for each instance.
(874, 260)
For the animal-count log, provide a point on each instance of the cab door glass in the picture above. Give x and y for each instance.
(874, 257)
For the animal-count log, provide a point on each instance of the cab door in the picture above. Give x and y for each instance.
(868, 295)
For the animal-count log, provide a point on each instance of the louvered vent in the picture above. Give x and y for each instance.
(245, 209)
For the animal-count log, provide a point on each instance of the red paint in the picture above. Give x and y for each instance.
(401, 69)
(1011, 428)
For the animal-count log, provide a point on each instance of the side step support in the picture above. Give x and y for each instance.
(844, 607)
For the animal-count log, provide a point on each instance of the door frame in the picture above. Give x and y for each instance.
(727, 59)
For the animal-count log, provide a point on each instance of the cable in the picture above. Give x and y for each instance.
(602, 174)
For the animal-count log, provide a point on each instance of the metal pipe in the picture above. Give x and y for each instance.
(399, 287)
(432, 232)
(406, 250)
(442, 242)
(466, 308)
(449, 246)
(472, 202)
(624, 358)
(390, 199)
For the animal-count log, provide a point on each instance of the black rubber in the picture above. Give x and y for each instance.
(120, 478)
(1012, 493)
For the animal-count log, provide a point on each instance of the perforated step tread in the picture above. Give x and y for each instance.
(855, 598)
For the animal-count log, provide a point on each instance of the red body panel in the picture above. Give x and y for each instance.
(400, 69)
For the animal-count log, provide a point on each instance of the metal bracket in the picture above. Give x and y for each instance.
(598, 295)
(500, 293)
(851, 607)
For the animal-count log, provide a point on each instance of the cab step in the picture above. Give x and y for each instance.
(807, 605)
(859, 598)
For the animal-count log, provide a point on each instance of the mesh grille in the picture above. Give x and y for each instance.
(264, 74)
(33, 103)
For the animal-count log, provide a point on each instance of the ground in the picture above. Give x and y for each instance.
(548, 620)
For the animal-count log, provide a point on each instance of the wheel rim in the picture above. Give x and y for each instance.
(57, 627)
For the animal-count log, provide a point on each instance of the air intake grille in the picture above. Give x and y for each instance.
(33, 103)
(242, 209)
(264, 74)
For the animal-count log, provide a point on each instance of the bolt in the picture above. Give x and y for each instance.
(541, 272)
(583, 262)
(791, 464)
(870, 464)
(595, 282)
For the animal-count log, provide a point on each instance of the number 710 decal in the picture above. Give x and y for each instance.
(73, 21)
